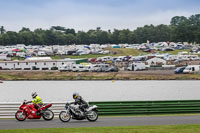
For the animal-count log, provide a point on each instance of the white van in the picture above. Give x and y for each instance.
(89, 67)
(65, 68)
(41, 53)
(100, 68)
(79, 68)
(192, 69)
(4, 57)
(136, 66)
(120, 58)
(20, 54)
(106, 58)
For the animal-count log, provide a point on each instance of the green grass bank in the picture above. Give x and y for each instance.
(130, 129)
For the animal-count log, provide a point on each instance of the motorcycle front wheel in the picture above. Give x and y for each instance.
(48, 115)
(92, 116)
(65, 116)
(20, 115)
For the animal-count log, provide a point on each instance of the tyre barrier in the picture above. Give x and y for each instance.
(7, 110)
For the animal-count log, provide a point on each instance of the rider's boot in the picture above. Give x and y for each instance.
(84, 111)
(38, 111)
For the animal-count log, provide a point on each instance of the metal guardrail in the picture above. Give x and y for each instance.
(7, 110)
(148, 107)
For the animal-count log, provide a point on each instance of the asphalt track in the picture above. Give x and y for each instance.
(101, 122)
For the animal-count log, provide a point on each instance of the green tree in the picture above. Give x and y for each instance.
(114, 37)
(70, 31)
(2, 30)
(82, 38)
(177, 20)
(49, 37)
(92, 36)
(5, 39)
(69, 38)
(102, 37)
(58, 28)
(194, 20)
(24, 29)
(124, 36)
(26, 37)
(162, 33)
(12, 38)
(132, 38)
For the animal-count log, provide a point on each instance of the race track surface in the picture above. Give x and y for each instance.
(101, 122)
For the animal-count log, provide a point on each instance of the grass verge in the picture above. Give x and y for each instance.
(56, 75)
(130, 129)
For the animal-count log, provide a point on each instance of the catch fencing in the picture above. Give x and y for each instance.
(7, 110)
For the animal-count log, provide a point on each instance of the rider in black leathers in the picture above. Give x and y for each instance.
(80, 101)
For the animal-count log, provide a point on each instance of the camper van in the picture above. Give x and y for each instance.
(136, 66)
(4, 57)
(20, 54)
(89, 67)
(65, 68)
(41, 53)
(192, 69)
(101, 68)
(79, 68)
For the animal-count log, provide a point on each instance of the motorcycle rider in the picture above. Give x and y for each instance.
(37, 101)
(80, 101)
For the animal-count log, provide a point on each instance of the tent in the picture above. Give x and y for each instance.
(16, 50)
(156, 61)
(116, 46)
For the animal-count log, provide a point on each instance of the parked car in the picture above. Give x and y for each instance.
(89, 67)
(101, 68)
(179, 70)
(136, 66)
(41, 53)
(98, 59)
(20, 54)
(92, 60)
(54, 68)
(126, 58)
(120, 58)
(147, 50)
(112, 69)
(79, 68)
(192, 69)
(106, 58)
(65, 68)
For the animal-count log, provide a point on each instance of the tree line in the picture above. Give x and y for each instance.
(180, 29)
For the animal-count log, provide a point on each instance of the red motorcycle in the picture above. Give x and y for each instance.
(29, 111)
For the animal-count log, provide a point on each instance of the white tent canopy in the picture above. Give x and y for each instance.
(156, 61)
(38, 58)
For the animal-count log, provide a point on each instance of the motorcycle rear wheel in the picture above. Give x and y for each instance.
(92, 116)
(20, 115)
(65, 116)
(48, 115)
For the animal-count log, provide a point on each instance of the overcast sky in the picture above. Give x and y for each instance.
(89, 14)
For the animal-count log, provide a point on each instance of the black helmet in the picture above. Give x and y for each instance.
(75, 95)
(34, 94)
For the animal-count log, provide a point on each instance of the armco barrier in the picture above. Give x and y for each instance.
(7, 110)
(148, 107)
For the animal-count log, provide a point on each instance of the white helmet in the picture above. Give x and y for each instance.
(34, 94)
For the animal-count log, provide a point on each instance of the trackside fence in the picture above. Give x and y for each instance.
(7, 110)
